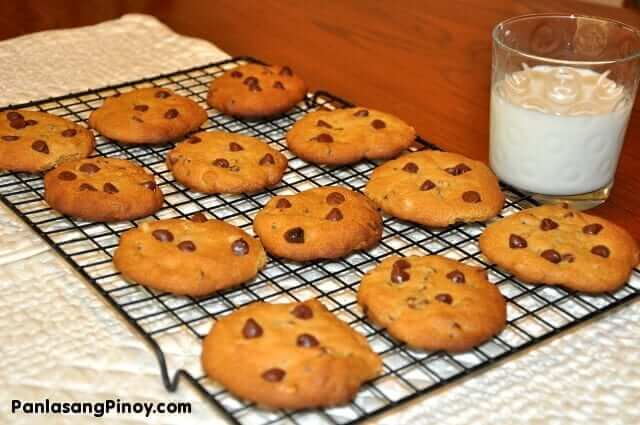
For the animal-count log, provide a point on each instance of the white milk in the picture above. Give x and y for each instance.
(557, 130)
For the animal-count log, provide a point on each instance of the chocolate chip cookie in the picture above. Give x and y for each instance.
(256, 91)
(323, 223)
(556, 245)
(436, 189)
(288, 356)
(432, 302)
(36, 141)
(147, 116)
(345, 136)
(102, 189)
(218, 162)
(188, 257)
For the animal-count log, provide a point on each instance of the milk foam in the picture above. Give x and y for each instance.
(557, 130)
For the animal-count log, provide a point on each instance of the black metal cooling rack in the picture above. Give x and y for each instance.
(174, 326)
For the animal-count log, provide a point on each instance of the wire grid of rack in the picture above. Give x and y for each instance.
(174, 326)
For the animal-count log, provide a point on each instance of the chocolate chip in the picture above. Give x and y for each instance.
(600, 250)
(306, 341)
(444, 298)
(278, 85)
(274, 375)
(136, 119)
(456, 276)
(171, 114)
(302, 311)
(592, 229)
(14, 116)
(335, 198)
(87, 187)
(551, 255)
(10, 138)
(40, 146)
(162, 94)
(334, 215)
(249, 81)
(234, 147)
(240, 247)
(323, 138)
(283, 203)
(427, 185)
(399, 272)
(517, 242)
(18, 124)
(109, 188)
(67, 176)
(236, 74)
(458, 169)
(286, 71)
(255, 87)
(548, 224)
(194, 140)
(89, 168)
(150, 185)
(378, 124)
(323, 123)
(141, 108)
(569, 258)
(187, 246)
(361, 113)
(162, 235)
(267, 159)
(471, 197)
(295, 235)
(410, 167)
(69, 132)
(221, 162)
(198, 218)
(251, 329)
(31, 122)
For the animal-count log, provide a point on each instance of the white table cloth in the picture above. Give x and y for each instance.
(59, 340)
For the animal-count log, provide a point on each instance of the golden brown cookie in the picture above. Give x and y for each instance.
(102, 189)
(147, 116)
(256, 91)
(288, 356)
(218, 162)
(556, 245)
(36, 141)
(345, 136)
(432, 302)
(327, 222)
(436, 189)
(188, 257)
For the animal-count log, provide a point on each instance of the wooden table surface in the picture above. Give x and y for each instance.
(427, 61)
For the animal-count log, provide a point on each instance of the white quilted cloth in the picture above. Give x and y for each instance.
(58, 340)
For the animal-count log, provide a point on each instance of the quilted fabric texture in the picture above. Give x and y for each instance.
(59, 340)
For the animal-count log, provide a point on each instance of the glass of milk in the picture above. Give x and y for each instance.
(562, 91)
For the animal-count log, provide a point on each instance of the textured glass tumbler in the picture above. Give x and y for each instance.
(562, 90)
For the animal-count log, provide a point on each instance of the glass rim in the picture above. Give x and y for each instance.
(630, 57)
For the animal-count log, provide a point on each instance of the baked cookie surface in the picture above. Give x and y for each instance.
(555, 245)
(322, 223)
(345, 136)
(188, 257)
(219, 162)
(36, 141)
(102, 189)
(147, 116)
(288, 355)
(436, 189)
(256, 91)
(432, 302)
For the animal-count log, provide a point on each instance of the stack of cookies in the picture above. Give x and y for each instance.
(300, 355)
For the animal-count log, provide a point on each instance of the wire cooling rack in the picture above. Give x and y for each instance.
(174, 326)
